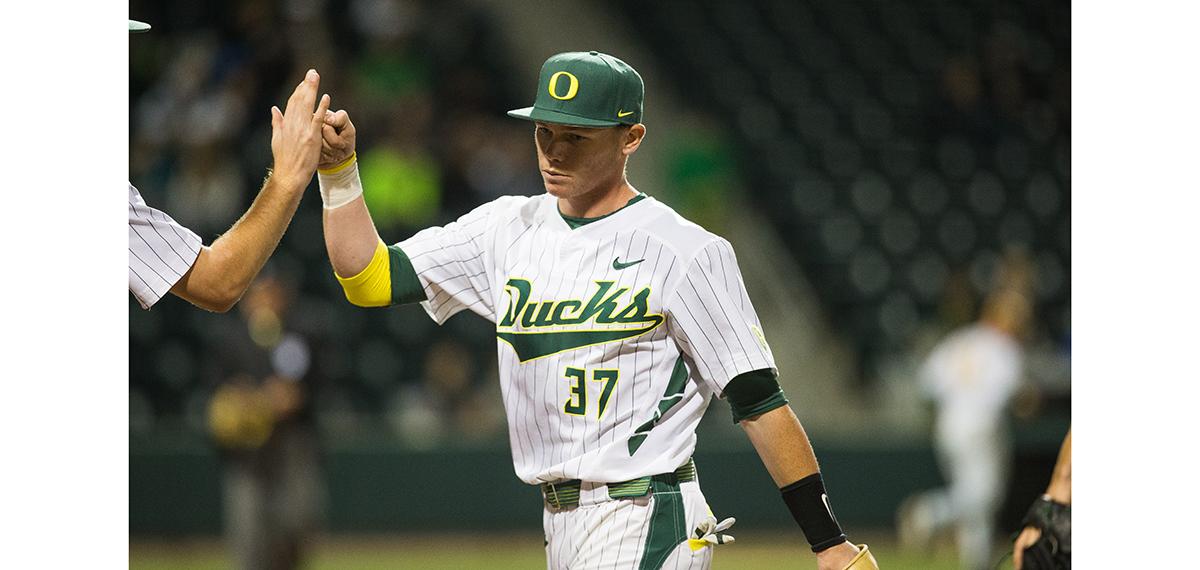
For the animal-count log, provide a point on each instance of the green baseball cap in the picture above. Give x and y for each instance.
(136, 27)
(586, 89)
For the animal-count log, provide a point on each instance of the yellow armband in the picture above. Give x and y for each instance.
(372, 287)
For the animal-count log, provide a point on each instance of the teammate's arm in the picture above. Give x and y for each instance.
(223, 271)
(1060, 483)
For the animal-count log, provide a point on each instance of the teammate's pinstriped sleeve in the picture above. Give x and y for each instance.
(449, 262)
(160, 251)
(712, 320)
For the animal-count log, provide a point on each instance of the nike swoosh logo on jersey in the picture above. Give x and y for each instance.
(624, 113)
(619, 266)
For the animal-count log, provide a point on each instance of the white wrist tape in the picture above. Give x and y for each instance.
(340, 185)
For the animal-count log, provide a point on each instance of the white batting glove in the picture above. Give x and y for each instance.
(709, 533)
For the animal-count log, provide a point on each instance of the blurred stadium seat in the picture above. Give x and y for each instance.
(891, 143)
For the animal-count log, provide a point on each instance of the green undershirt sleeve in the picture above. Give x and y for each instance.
(754, 393)
(406, 288)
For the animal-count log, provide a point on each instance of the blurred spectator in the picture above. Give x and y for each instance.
(486, 157)
(459, 391)
(453, 402)
(702, 176)
(261, 418)
(207, 190)
(971, 376)
(405, 189)
(962, 93)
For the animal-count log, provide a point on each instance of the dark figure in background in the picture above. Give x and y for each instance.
(1045, 542)
(261, 418)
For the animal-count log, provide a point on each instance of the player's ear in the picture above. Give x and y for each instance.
(633, 139)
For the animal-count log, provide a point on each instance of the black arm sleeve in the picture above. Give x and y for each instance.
(754, 393)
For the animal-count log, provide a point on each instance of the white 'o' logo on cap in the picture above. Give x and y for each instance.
(572, 89)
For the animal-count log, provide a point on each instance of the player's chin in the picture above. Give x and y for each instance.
(558, 189)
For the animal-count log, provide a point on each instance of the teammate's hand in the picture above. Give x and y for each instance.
(337, 139)
(296, 134)
(1024, 540)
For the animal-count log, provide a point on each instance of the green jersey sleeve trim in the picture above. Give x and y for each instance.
(406, 288)
(754, 393)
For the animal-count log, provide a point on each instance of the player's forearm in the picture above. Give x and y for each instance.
(350, 237)
(786, 452)
(782, 445)
(224, 270)
(1060, 483)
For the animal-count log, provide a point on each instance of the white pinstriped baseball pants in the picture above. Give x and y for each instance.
(648, 532)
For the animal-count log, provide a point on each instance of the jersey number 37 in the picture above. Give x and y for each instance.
(576, 405)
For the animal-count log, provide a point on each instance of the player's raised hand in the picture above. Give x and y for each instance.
(337, 134)
(296, 133)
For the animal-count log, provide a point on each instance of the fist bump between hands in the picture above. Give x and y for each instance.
(337, 139)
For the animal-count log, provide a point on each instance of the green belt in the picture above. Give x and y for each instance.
(566, 493)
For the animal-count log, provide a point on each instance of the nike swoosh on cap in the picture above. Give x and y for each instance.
(624, 113)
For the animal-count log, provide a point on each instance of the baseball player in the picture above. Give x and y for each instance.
(971, 375)
(617, 321)
(165, 256)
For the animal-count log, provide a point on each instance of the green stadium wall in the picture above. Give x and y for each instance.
(381, 487)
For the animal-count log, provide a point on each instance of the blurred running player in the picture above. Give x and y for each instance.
(971, 376)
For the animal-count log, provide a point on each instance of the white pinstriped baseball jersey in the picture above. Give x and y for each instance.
(160, 251)
(612, 337)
